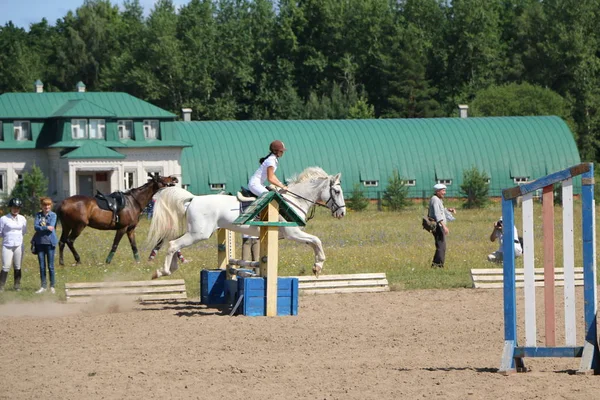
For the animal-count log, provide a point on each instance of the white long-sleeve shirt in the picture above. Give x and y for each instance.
(12, 230)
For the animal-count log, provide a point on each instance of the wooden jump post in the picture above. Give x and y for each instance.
(270, 206)
(513, 354)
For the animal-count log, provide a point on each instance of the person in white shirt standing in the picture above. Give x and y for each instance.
(13, 228)
(266, 171)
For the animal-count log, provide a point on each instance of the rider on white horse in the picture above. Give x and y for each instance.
(266, 171)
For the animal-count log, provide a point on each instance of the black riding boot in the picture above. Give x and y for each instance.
(3, 276)
(18, 280)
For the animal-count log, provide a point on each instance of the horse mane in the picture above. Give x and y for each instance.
(309, 174)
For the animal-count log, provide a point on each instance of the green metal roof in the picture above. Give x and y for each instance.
(420, 149)
(121, 143)
(48, 105)
(93, 150)
(82, 108)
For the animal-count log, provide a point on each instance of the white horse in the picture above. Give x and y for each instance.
(180, 215)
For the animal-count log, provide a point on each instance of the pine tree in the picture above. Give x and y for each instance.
(33, 187)
(475, 187)
(357, 201)
(395, 196)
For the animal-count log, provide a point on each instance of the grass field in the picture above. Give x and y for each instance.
(370, 241)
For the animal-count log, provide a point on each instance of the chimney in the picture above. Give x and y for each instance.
(187, 114)
(38, 86)
(463, 110)
(80, 87)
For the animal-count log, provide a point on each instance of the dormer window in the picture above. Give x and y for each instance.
(97, 128)
(446, 182)
(520, 180)
(22, 130)
(151, 128)
(217, 186)
(79, 128)
(410, 182)
(125, 128)
(371, 183)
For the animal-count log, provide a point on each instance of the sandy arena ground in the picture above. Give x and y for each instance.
(442, 344)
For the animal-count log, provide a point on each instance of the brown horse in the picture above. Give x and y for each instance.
(77, 212)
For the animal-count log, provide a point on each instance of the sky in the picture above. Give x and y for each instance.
(25, 12)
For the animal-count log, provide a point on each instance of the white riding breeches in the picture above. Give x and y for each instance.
(12, 256)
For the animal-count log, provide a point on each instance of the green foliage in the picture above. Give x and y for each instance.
(267, 59)
(33, 187)
(395, 196)
(518, 99)
(357, 201)
(475, 187)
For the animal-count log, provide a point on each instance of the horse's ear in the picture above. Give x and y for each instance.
(150, 175)
(336, 179)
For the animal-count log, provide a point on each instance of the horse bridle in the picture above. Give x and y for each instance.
(326, 205)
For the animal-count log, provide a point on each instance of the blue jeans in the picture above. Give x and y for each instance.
(46, 254)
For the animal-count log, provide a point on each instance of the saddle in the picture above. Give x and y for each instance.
(113, 202)
(245, 197)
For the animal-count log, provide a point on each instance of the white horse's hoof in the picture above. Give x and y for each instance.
(156, 274)
(317, 270)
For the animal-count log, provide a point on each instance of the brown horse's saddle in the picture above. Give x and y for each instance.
(113, 202)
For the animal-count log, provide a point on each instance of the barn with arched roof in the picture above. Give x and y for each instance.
(510, 150)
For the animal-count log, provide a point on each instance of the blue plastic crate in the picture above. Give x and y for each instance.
(212, 286)
(254, 291)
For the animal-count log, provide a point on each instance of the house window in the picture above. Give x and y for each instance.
(97, 128)
(19, 178)
(125, 128)
(154, 172)
(151, 128)
(371, 183)
(520, 179)
(22, 130)
(79, 128)
(488, 181)
(446, 182)
(217, 186)
(3, 187)
(129, 179)
(410, 182)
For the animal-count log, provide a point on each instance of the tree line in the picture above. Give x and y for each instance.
(325, 59)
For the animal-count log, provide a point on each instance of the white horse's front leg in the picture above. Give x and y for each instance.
(299, 235)
(170, 263)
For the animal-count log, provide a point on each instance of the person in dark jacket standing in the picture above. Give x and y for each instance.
(45, 242)
(439, 214)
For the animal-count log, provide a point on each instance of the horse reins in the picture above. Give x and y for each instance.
(326, 205)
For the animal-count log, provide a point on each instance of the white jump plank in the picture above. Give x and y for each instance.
(83, 292)
(569, 262)
(499, 285)
(75, 285)
(343, 283)
(326, 284)
(375, 275)
(346, 290)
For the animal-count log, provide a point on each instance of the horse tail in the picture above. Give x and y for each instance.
(168, 216)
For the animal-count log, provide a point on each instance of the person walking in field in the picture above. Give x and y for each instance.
(440, 214)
